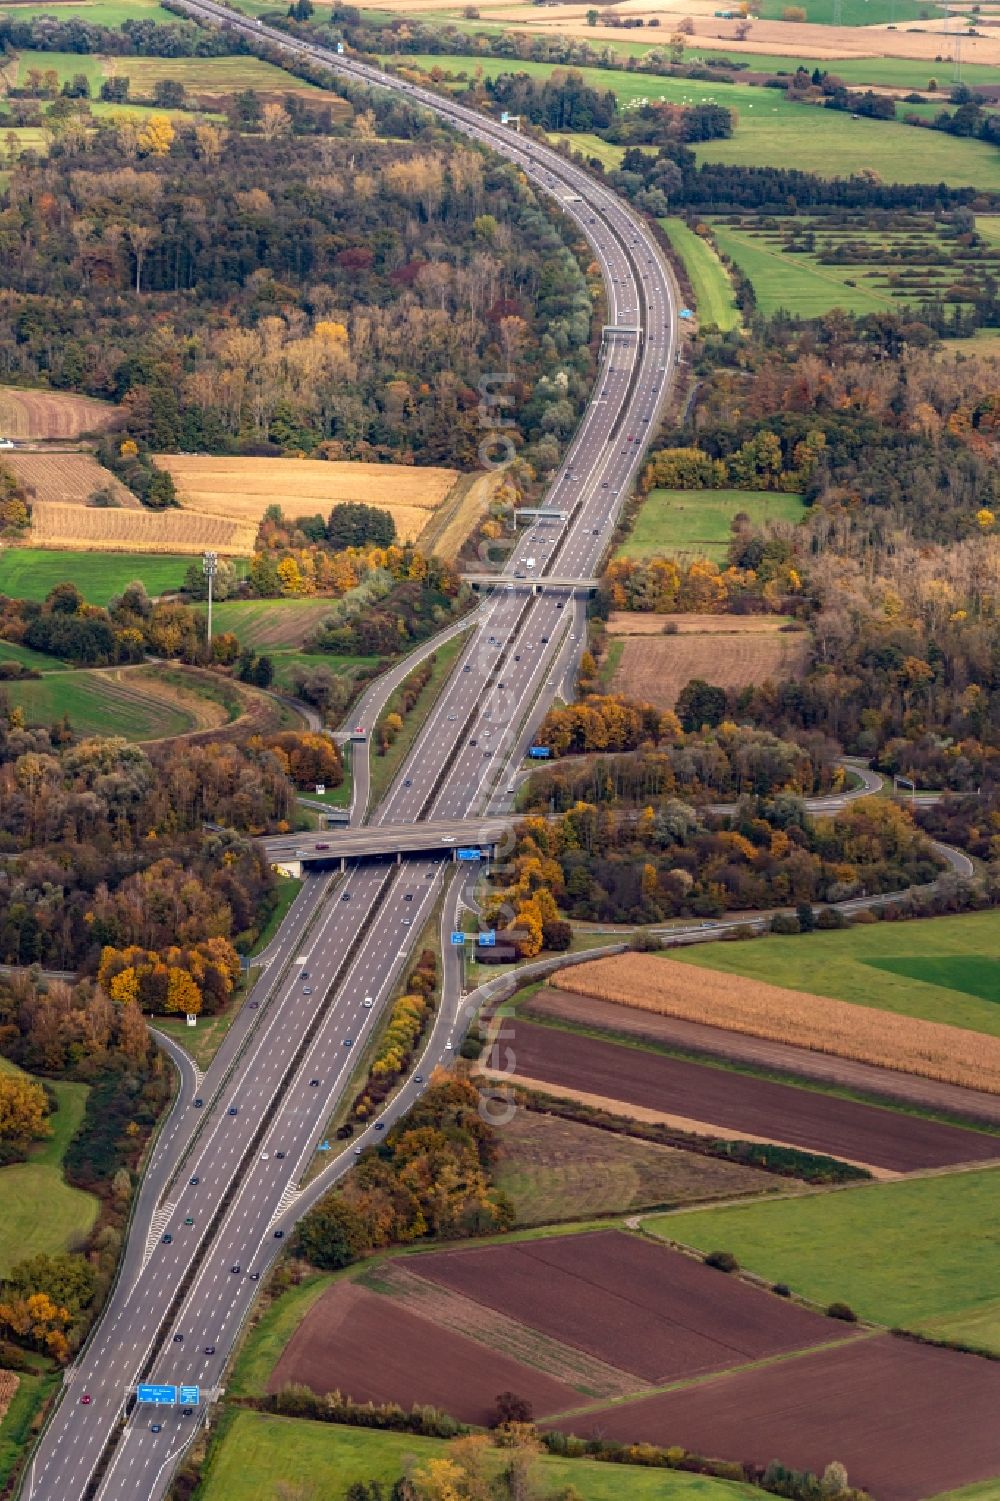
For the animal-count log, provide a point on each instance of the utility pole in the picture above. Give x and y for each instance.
(210, 565)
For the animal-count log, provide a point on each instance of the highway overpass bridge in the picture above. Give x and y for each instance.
(533, 585)
(452, 837)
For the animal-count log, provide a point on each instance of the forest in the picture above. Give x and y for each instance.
(260, 293)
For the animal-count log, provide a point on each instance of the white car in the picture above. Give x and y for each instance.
(6, 443)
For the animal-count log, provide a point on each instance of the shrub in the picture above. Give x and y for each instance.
(830, 917)
(723, 1261)
(782, 1290)
(784, 922)
(842, 1311)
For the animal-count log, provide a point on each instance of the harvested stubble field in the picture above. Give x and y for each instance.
(905, 1420)
(93, 529)
(241, 489)
(417, 1363)
(69, 478)
(656, 1313)
(887, 1040)
(639, 623)
(554, 1170)
(51, 414)
(268, 623)
(657, 668)
(701, 1097)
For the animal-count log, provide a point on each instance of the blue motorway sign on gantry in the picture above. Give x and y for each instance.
(190, 1395)
(468, 854)
(488, 940)
(159, 1396)
(457, 940)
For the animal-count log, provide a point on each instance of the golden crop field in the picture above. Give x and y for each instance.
(92, 529)
(52, 414)
(657, 668)
(241, 489)
(885, 1039)
(70, 478)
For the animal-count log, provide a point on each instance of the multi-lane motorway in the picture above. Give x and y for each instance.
(224, 1182)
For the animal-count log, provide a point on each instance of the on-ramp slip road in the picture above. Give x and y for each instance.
(232, 1164)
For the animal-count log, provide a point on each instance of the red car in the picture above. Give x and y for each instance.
(86, 1400)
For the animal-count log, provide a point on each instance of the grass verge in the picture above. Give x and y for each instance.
(41, 1211)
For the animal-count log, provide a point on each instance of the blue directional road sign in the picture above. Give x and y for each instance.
(159, 1396)
(488, 940)
(539, 752)
(190, 1396)
(467, 854)
(457, 940)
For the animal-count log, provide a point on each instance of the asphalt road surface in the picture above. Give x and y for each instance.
(223, 1186)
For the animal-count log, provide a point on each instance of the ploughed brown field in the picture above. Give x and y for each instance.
(757, 1108)
(886, 1039)
(690, 1036)
(370, 1348)
(656, 668)
(643, 1308)
(641, 623)
(907, 1421)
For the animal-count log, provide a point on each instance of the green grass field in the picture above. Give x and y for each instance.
(41, 1212)
(31, 572)
(697, 521)
(806, 266)
(11, 652)
(895, 72)
(923, 1254)
(97, 704)
(797, 284)
(942, 968)
(773, 130)
(257, 1455)
(98, 12)
(269, 624)
(713, 291)
(608, 155)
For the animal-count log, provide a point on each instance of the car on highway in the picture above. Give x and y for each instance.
(209, 1349)
(313, 1083)
(380, 1125)
(236, 1267)
(279, 1234)
(307, 990)
(167, 1240)
(156, 1427)
(348, 1042)
(418, 1078)
(86, 1400)
(346, 897)
(188, 1220)
(407, 921)
(254, 1276)
(194, 1182)
(358, 1151)
(178, 1339)
(279, 1155)
(233, 1110)
(447, 839)
(322, 846)
(187, 1412)
(368, 1003)
(198, 1104)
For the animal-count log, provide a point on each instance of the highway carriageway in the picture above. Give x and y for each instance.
(388, 839)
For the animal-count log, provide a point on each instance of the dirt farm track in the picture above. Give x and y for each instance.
(761, 1109)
